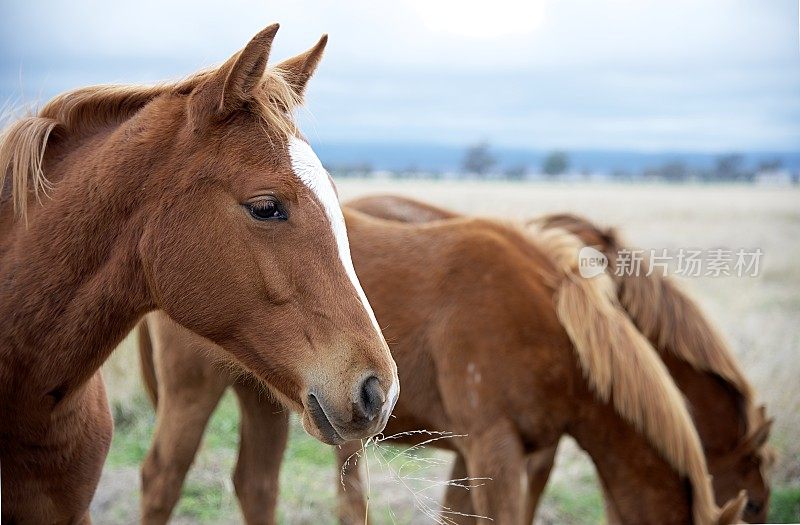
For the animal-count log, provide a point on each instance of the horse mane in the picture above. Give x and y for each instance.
(667, 315)
(623, 368)
(23, 142)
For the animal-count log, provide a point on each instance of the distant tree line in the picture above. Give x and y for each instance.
(479, 162)
(727, 168)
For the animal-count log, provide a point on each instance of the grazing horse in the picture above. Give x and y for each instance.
(733, 430)
(198, 198)
(497, 340)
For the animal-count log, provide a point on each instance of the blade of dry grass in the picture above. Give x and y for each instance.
(401, 467)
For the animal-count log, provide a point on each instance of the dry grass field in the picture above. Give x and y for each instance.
(760, 316)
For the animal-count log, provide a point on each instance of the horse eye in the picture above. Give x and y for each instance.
(267, 210)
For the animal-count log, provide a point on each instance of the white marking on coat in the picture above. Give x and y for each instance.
(309, 170)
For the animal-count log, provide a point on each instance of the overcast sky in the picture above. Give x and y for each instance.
(655, 75)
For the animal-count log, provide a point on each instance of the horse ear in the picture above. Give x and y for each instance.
(298, 69)
(233, 82)
(732, 511)
(610, 236)
(760, 436)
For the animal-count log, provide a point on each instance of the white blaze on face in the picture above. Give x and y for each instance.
(309, 170)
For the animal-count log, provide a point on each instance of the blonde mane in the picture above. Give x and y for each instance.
(667, 315)
(623, 368)
(23, 143)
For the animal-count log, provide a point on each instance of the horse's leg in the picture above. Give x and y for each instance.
(496, 452)
(457, 506)
(351, 507)
(264, 429)
(181, 418)
(539, 465)
(189, 386)
(612, 516)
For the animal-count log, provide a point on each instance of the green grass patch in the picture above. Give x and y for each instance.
(304, 449)
(784, 506)
(205, 503)
(223, 428)
(133, 431)
(308, 480)
(576, 504)
(134, 423)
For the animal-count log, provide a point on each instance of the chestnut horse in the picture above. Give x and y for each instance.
(497, 340)
(734, 431)
(198, 198)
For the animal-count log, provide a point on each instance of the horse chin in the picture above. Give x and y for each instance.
(317, 424)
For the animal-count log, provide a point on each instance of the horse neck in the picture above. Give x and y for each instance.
(716, 406)
(71, 284)
(601, 432)
(690, 348)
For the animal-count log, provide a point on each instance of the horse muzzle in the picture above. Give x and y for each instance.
(370, 406)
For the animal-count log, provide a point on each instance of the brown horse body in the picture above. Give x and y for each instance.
(733, 431)
(482, 350)
(119, 200)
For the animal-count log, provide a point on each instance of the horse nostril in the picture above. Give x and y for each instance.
(371, 398)
(753, 507)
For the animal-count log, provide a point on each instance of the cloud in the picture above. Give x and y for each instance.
(684, 74)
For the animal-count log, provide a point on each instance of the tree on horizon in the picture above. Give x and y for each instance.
(555, 163)
(478, 159)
